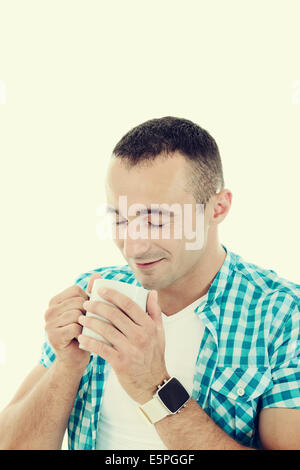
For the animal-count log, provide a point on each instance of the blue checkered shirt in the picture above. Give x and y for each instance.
(248, 359)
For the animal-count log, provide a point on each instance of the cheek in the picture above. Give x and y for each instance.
(185, 253)
(174, 250)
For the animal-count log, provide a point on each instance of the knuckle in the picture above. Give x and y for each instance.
(78, 302)
(48, 313)
(72, 312)
(118, 365)
(64, 335)
(152, 329)
(77, 290)
(76, 313)
(141, 339)
(135, 355)
(107, 311)
(96, 346)
(101, 349)
(106, 328)
(77, 330)
(88, 322)
(71, 332)
(96, 325)
(72, 315)
(128, 304)
(52, 301)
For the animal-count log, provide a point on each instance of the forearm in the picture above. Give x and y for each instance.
(192, 428)
(40, 418)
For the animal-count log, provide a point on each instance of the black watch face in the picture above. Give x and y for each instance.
(174, 395)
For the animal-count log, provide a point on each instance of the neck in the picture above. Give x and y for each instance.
(194, 284)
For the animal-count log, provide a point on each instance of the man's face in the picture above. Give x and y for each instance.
(161, 182)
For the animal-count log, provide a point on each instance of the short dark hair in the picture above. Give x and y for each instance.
(164, 136)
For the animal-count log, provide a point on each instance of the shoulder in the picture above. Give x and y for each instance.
(265, 284)
(260, 295)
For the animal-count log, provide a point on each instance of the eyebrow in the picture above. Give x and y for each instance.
(112, 210)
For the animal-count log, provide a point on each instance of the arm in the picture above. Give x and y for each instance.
(38, 415)
(279, 419)
(192, 428)
(279, 428)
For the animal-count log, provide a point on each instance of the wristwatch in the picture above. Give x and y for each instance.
(170, 397)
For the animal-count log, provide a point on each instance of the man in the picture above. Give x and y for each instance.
(228, 330)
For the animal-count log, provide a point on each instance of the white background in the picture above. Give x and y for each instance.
(77, 76)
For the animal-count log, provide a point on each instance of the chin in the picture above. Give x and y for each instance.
(156, 285)
(148, 285)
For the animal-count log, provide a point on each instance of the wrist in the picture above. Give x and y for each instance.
(148, 395)
(171, 396)
(69, 369)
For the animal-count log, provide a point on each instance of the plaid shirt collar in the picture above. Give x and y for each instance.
(208, 309)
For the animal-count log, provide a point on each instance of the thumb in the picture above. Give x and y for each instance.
(91, 281)
(153, 307)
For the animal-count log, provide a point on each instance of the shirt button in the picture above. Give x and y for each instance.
(240, 391)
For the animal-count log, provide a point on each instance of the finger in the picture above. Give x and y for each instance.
(117, 317)
(91, 281)
(126, 304)
(69, 304)
(153, 308)
(66, 334)
(69, 317)
(63, 320)
(73, 291)
(108, 353)
(105, 329)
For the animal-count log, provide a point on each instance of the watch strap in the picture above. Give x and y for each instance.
(154, 410)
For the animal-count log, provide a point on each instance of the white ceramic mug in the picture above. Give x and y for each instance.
(137, 294)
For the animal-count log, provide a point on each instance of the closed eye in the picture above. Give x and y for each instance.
(121, 222)
(156, 225)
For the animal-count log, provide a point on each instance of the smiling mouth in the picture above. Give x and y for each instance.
(148, 265)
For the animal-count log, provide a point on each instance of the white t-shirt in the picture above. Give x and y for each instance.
(120, 424)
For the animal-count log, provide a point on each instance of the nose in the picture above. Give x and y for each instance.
(135, 247)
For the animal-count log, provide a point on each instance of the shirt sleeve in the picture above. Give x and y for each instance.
(48, 355)
(285, 363)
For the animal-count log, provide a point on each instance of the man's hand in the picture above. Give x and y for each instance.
(62, 325)
(137, 354)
